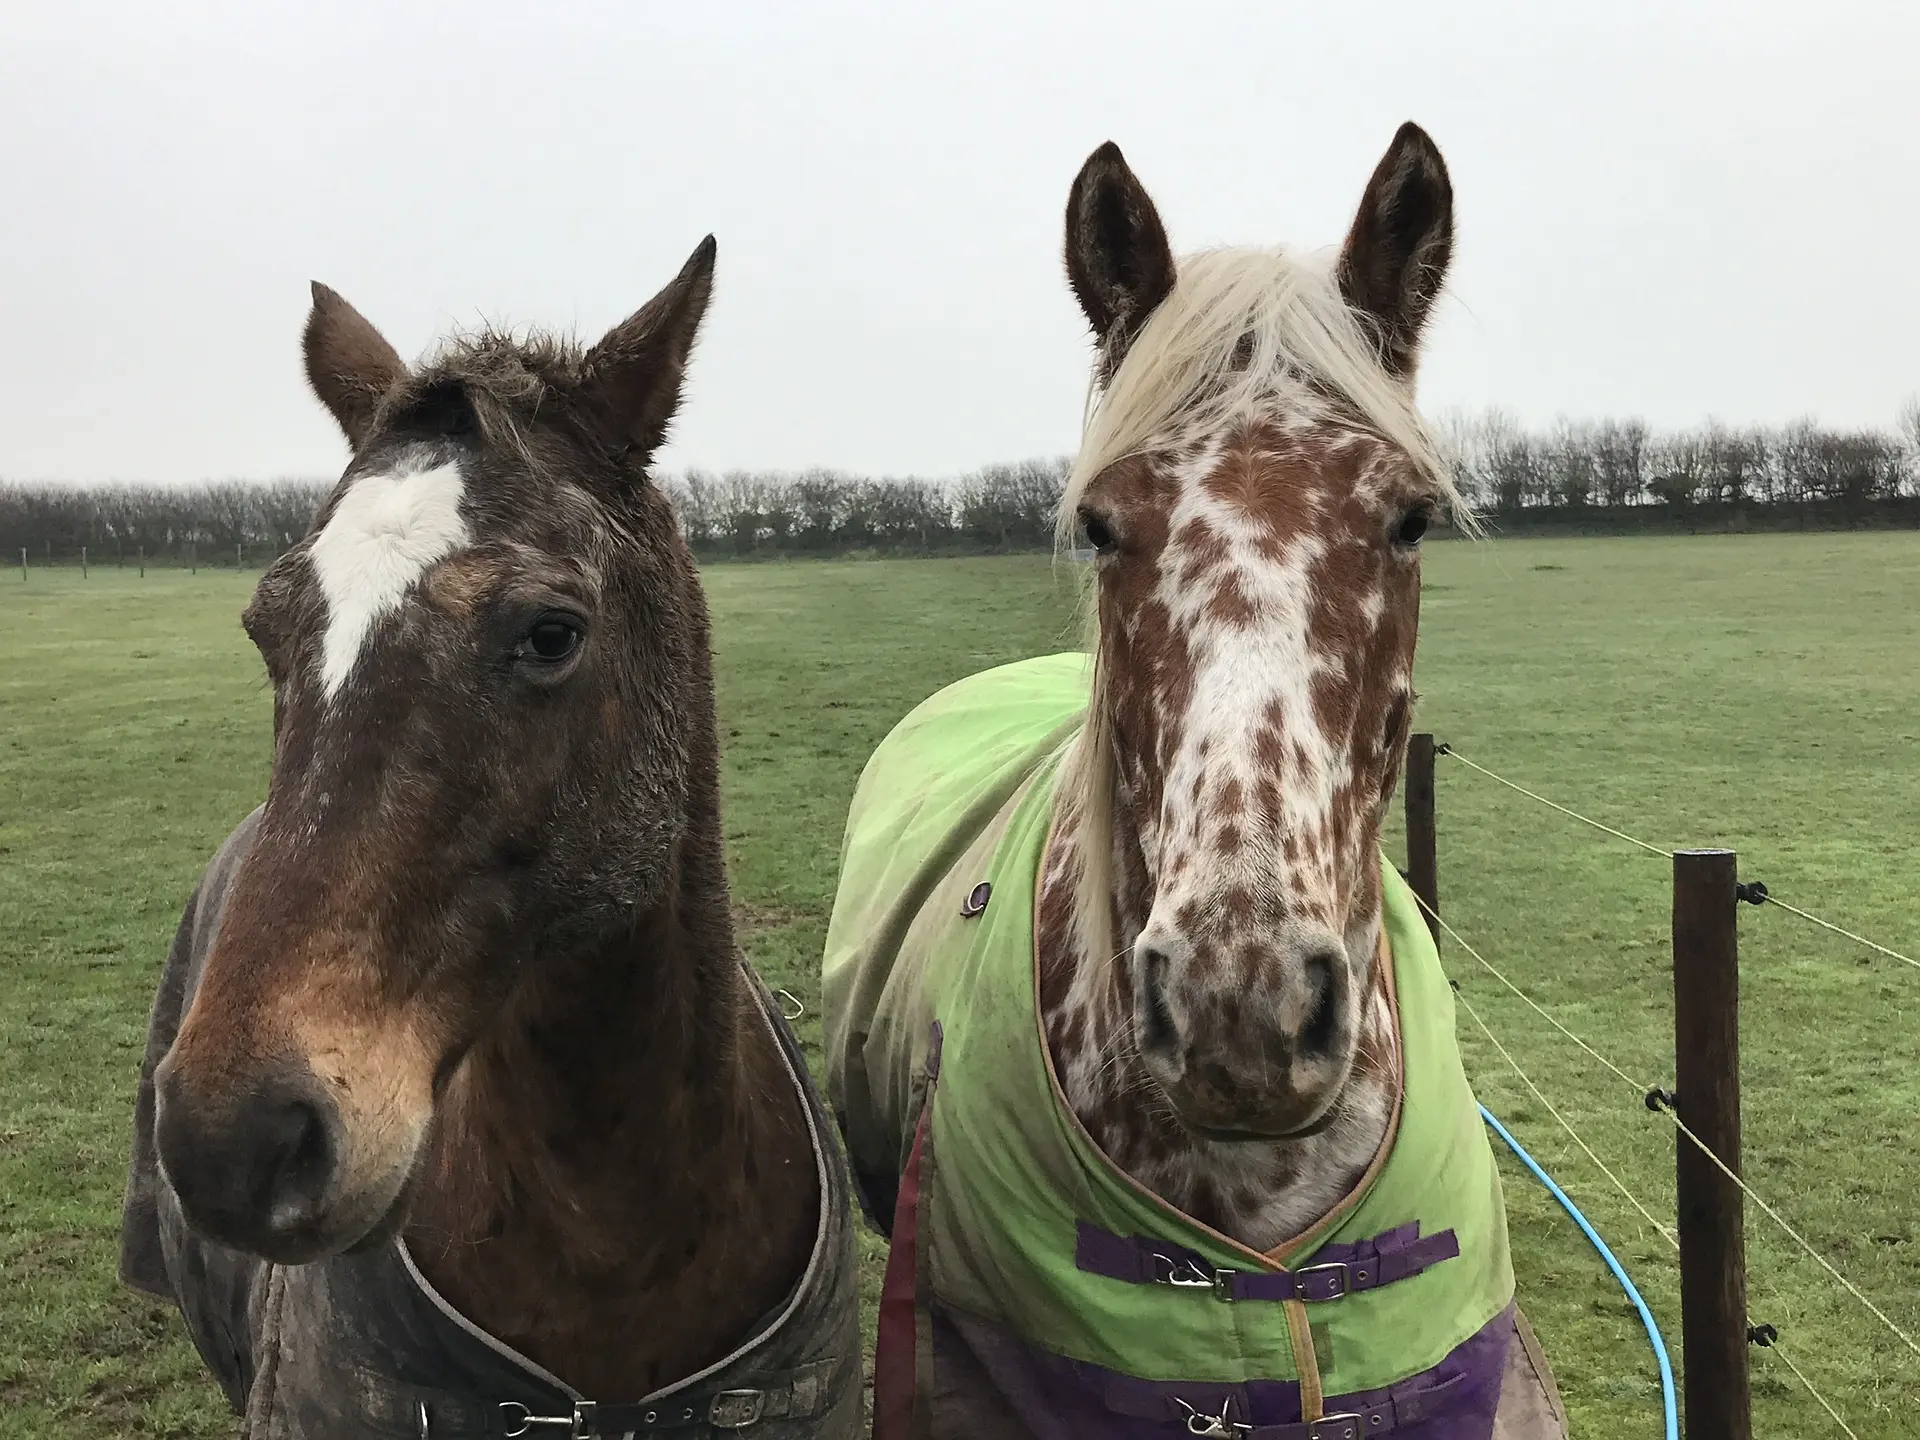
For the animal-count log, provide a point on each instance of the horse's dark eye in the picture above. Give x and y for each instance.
(1099, 534)
(1413, 526)
(550, 641)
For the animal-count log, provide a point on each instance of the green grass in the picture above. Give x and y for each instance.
(1759, 692)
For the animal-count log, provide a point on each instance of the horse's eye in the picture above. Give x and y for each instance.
(1100, 536)
(550, 641)
(1413, 525)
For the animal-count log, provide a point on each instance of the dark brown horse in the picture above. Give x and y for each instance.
(456, 1033)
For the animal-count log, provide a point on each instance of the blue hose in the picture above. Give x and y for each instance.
(1646, 1315)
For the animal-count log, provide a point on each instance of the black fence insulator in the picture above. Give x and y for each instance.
(1762, 1335)
(1658, 1100)
(1443, 748)
(1453, 985)
(1754, 893)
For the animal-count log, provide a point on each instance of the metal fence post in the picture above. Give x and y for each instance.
(1706, 1048)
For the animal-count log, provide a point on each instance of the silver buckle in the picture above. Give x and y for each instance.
(1346, 1279)
(736, 1409)
(1347, 1418)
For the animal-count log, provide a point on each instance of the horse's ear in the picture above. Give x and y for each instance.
(1118, 260)
(632, 378)
(349, 363)
(1395, 257)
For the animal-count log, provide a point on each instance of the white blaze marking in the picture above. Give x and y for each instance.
(379, 542)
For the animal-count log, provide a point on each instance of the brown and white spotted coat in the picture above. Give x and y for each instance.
(1223, 1030)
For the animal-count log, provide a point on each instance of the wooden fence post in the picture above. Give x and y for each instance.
(83, 562)
(23, 562)
(1423, 841)
(1706, 1048)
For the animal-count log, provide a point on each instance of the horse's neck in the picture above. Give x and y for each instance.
(624, 1181)
(1258, 1194)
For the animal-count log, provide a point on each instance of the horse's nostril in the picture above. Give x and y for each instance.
(1157, 1030)
(1322, 1007)
(297, 1163)
(252, 1174)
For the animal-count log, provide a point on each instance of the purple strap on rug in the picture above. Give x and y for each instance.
(1331, 1272)
(1348, 1417)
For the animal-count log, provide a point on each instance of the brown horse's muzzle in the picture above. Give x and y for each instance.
(255, 1169)
(287, 1138)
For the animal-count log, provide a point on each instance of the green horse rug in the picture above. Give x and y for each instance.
(1034, 1288)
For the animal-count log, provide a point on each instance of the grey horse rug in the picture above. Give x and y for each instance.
(362, 1346)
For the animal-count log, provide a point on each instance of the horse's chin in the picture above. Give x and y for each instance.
(1236, 1135)
(331, 1236)
(1205, 1117)
(386, 1227)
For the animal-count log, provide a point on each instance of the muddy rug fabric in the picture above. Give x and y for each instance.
(1033, 1289)
(361, 1346)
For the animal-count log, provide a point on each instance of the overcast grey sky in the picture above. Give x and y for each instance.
(1672, 210)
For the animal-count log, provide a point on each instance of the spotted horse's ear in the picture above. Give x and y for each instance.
(633, 377)
(1118, 259)
(1395, 257)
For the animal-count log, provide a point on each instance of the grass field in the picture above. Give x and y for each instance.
(1756, 692)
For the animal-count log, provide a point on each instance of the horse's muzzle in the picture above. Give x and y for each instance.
(254, 1173)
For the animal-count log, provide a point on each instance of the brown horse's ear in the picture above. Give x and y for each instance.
(632, 378)
(349, 363)
(1118, 260)
(1395, 257)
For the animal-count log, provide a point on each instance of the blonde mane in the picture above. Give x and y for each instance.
(1245, 334)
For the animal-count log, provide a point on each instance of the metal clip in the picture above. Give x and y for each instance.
(1182, 1275)
(1347, 1420)
(1346, 1278)
(1199, 1422)
(517, 1419)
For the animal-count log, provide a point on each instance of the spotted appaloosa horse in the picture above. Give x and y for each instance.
(1256, 503)
(461, 1111)
(1125, 1022)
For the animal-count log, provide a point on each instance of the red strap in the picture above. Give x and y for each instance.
(893, 1355)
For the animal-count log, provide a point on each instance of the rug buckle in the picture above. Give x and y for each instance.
(1346, 1280)
(1347, 1420)
(737, 1409)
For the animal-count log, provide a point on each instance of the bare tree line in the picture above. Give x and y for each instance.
(741, 514)
(1588, 468)
(1605, 473)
